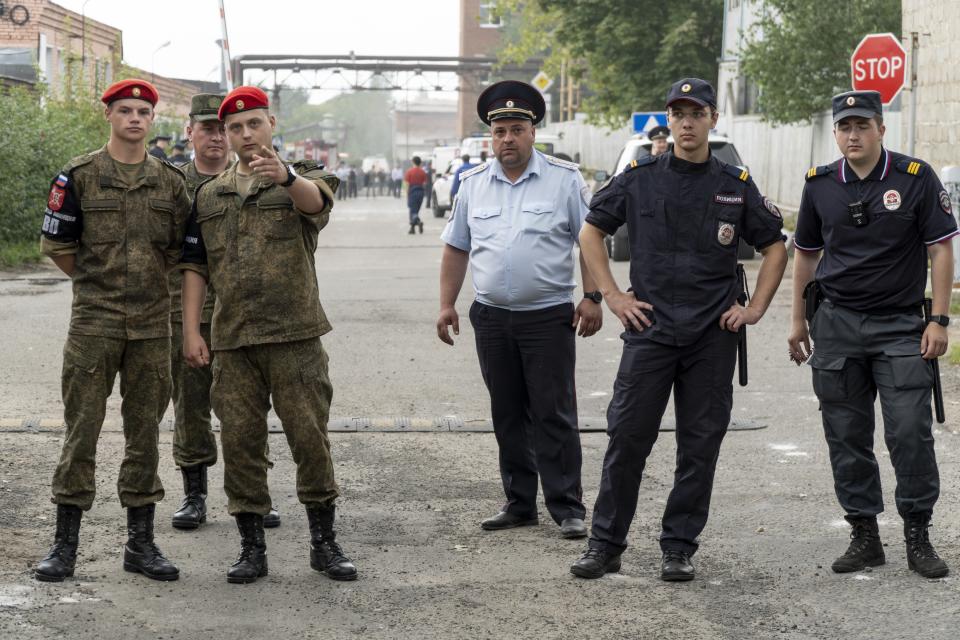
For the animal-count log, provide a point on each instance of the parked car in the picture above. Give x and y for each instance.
(637, 147)
(442, 202)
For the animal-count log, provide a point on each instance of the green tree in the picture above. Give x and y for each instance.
(628, 52)
(798, 52)
(41, 133)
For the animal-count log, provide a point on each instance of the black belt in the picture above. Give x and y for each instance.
(911, 310)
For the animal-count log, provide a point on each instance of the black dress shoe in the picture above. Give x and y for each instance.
(676, 567)
(573, 528)
(272, 519)
(595, 563)
(504, 520)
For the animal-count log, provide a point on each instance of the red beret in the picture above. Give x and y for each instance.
(133, 88)
(243, 99)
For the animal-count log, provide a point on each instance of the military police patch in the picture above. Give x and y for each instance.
(726, 232)
(772, 208)
(56, 198)
(945, 203)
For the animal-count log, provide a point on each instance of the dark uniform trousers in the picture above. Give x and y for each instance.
(857, 355)
(701, 376)
(90, 367)
(193, 440)
(414, 202)
(528, 359)
(294, 376)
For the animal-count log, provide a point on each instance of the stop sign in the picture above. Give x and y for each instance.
(879, 63)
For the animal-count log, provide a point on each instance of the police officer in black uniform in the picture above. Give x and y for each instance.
(658, 136)
(685, 212)
(874, 216)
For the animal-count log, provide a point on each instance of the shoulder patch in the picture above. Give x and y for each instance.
(475, 170)
(642, 162)
(740, 174)
(566, 164)
(822, 170)
(911, 166)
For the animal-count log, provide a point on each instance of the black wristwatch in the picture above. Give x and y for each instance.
(291, 176)
(943, 321)
(596, 296)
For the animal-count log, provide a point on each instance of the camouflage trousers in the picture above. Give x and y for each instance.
(193, 440)
(90, 367)
(294, 376)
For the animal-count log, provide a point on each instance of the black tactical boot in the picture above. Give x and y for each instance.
(58, 564)
(595, 563)
(420, 225)
(193, 510)
(921, 556)
(326, 556)
(272, 519)
(412, 229)
(865, 548)
(676, 566)
(252, 561)
(141, 555)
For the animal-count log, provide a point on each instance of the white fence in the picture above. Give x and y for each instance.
(777, 157)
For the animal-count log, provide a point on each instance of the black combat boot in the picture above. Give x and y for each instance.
(413, 228)
(865, 548)
(252, 561)
(59, 563)
(193, 510)
(141, 555)
(326, 556)
(921, 556)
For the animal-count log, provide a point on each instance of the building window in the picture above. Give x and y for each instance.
(489, 16)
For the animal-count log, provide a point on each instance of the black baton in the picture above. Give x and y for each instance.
(935, 365)
(743, 299)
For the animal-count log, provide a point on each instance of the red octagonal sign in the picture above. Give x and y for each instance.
(879, 63)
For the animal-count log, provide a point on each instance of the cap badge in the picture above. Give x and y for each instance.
(213, 103)
(136, 92)
(510, 103)
(891, 200)
(239, 104)
(686, 88)
(851, 101)
(725, 233)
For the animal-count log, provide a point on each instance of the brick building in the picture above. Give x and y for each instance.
(479, 37)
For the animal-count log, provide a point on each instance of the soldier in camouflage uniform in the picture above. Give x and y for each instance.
(114, 222)
(194, 445)
(253, 233)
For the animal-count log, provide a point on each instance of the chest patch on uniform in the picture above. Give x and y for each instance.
(56, 198)
(945, 203)
(728, 198)
(772, 208)
(726, 232)
(891, 200)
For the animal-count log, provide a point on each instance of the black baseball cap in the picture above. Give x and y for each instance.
(856, 104)
(693, 89)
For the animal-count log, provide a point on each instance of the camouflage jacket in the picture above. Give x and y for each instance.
(258, 252)
(125, 239)
(194, 180)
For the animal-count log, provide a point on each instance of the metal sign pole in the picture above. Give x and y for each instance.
(912, 127)
(226, 49)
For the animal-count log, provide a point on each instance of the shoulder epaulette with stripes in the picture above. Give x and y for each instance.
(474, 170)
(822, 170)
(642, 162)
(911, 166)
(738, 173)
(566, 164)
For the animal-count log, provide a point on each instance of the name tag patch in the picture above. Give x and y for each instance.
(728, 198)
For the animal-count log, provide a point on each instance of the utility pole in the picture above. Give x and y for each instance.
(912, 127)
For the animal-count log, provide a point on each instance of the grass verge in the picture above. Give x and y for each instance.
(15, 254)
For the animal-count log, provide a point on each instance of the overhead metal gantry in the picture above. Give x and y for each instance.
(380, 73)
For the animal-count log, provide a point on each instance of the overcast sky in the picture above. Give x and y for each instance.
(366, 27)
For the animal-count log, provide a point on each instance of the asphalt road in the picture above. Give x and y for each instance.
(412, 501)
